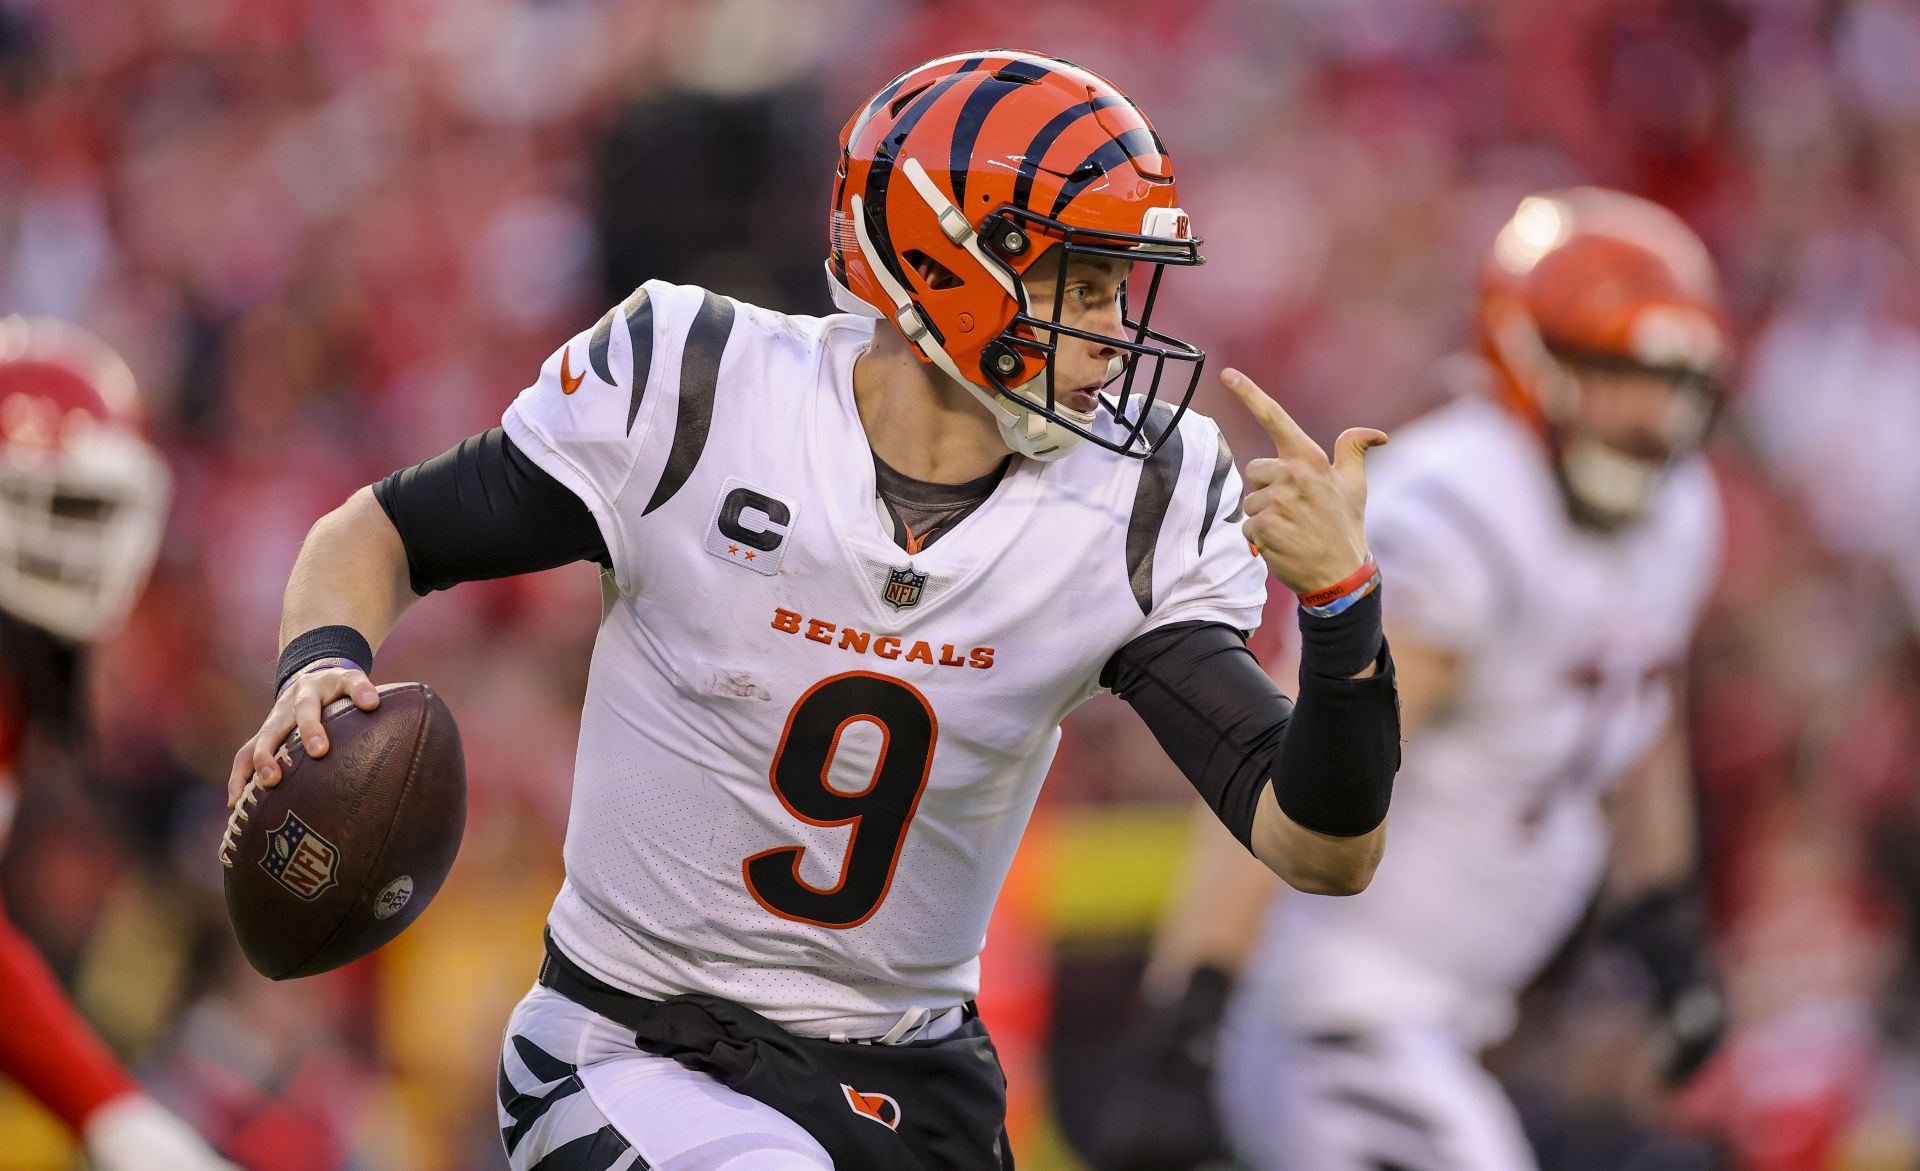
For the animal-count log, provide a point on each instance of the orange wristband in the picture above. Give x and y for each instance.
(1342, 588)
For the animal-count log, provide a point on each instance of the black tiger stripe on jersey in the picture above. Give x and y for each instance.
(637, 310)
(1128, 145)
(699, 378)
(640, 339)
(602, 341)
(1222, 464)
(1050, 134)
(880, 174)
(1151, 498)
(527, 1109)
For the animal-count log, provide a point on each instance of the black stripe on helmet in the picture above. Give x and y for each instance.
(973, 116)
(1027, 69)
(878, 103)
(881, 172)
(1050, 134)
(1158, 146)
(1128, 145)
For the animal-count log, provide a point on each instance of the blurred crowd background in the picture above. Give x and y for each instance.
(333, 237)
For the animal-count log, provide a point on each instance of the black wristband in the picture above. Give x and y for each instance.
(1346, 644)
(322, 642)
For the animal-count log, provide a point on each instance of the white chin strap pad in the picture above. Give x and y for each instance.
(1613, 485)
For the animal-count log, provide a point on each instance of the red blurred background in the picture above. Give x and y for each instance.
(333, 237)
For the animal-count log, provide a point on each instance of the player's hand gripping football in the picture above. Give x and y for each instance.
(1306, 515)
(299, 706)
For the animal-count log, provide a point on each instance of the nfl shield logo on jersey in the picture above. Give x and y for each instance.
(303, 861)
(903, 587)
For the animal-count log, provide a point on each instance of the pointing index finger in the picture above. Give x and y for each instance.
(1288, 438)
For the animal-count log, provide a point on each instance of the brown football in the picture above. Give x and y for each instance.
(348, 849)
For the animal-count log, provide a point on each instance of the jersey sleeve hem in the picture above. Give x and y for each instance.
(1244, 618)
(550, 460)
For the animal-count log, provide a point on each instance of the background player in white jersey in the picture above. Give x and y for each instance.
(83, 500)
(857, 569)
(1551, 544)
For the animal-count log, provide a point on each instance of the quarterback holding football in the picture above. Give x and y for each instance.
(856, 569)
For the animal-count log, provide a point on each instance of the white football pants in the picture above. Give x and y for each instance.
(576, 1094)
(1405, 1098)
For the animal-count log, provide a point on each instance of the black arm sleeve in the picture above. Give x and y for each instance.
(483, 510)
(1331, 758)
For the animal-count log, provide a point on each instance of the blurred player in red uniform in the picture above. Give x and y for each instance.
(82, 503)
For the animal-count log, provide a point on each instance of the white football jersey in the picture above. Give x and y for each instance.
(1570, 643)
(806, 757)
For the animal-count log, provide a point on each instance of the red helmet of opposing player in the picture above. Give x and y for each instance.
(83, 495)
(980, 163)
(1597, 279)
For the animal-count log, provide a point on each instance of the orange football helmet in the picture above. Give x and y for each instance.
(1587, 276)
(83, 495)
(981, 162)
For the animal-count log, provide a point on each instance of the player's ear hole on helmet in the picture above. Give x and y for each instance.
(937, 275)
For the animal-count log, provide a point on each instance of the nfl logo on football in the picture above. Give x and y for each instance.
(303, 861)
(903, 587)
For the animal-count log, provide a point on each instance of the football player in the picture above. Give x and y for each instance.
(83, 499)
(856, 570)
(1551, 542)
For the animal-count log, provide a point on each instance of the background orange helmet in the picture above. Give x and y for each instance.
(1587, 273)
(980, 162)
(1586, 279)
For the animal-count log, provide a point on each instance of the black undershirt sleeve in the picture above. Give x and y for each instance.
(1331, 757)
(484, 510)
